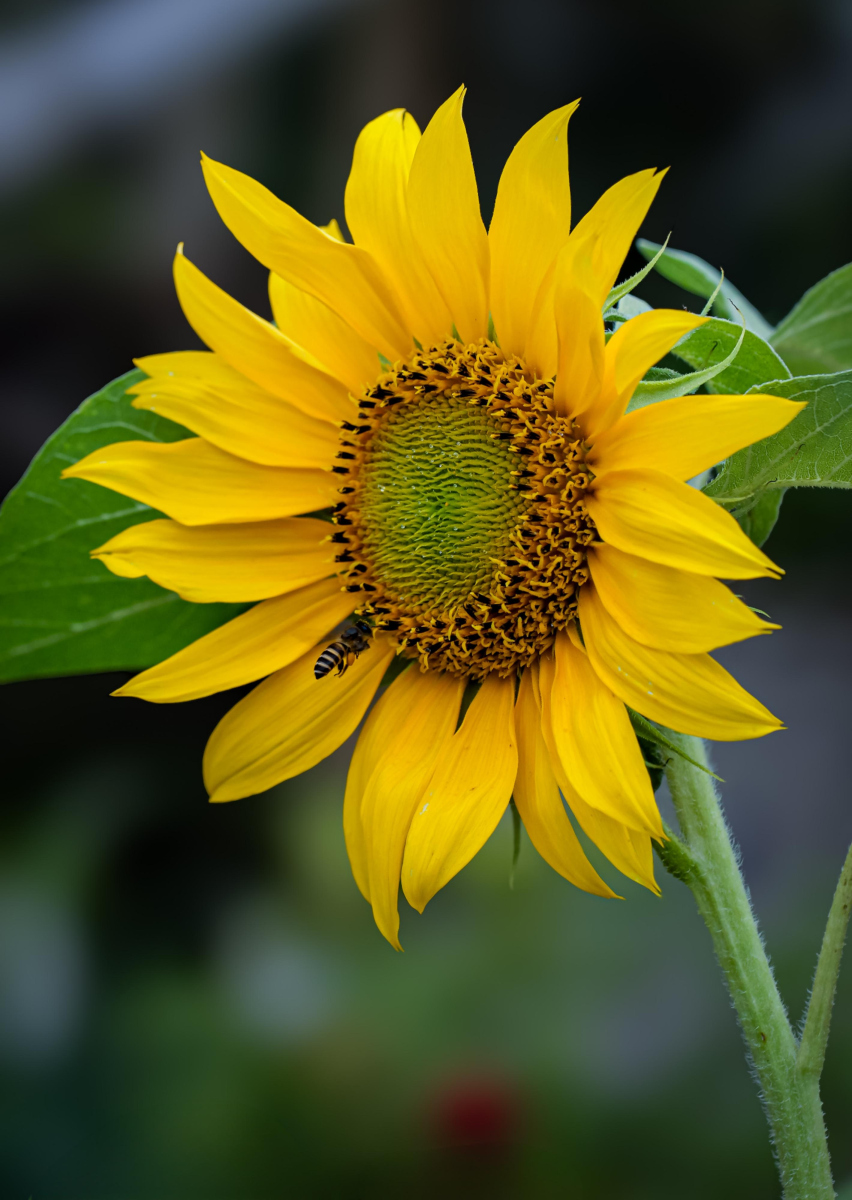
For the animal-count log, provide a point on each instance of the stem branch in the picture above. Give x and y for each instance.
(815, 1032)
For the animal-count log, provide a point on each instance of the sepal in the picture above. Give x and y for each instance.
(695, 275)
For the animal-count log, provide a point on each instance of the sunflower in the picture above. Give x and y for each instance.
(523, 552)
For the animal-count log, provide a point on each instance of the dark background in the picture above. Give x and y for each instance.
(194, 1001)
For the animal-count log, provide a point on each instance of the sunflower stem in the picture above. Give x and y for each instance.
(707, 861)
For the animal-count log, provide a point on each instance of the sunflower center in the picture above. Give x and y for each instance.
(437, 503)
(463, 522)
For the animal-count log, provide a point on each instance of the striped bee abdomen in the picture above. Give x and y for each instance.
(334, 656)
(341, 654)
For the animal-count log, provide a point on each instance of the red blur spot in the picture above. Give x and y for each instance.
(476, 1113)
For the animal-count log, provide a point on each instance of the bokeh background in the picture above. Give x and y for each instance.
(194, 1002)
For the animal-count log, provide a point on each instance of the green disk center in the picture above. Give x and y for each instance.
(436, 503)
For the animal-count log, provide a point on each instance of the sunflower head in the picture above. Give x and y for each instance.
(500, 523)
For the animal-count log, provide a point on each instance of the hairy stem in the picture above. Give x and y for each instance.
(815, 1032)
(707, 862)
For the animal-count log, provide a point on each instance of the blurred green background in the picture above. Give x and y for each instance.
(194, 1001)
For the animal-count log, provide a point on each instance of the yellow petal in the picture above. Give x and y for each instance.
(368, 750)
(256, 348)
(405, 735)
(642, 342)
(606, 232)
(185, 365)
(542, 354)
(198, 484)
(223, 562)
(243, 419)
(327, 340)
(657, 517)
(596, 745)
(443, 204)
(344, 277)
(630, 352)
(377, 216)
(531, 224)
(691, 693)
(266, 638)
(685, 436)
(290, 722)
(592, 257)
(353, 827)
(539, 803)
(467, 795)
(667, 608)
(627, 849)
(580, 331)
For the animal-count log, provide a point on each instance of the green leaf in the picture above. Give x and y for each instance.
(814, 450)
(652, 391)
(711, 299)
(816, 336)
(755, 363)
(655, 764)
(760, 518)
(695, 275)
(62, 613)
(649, 731)
(624, 289)
(629, 307)
(656, 373)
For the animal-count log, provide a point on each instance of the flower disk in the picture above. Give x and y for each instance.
(463, 521)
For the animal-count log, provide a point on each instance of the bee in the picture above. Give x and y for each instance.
(353, 641)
